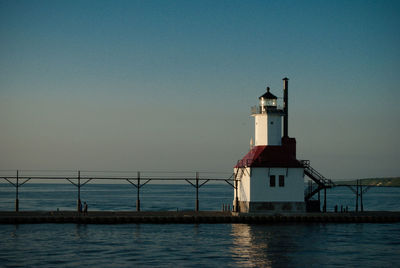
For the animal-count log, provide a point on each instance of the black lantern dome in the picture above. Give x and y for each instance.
(268, 99)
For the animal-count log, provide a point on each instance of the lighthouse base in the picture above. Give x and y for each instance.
(245, 206)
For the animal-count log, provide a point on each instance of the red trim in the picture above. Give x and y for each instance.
(272, 156)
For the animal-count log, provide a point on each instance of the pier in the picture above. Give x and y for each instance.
(138, 180)
(193, 217)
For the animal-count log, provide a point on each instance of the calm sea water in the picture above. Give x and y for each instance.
(190, 245)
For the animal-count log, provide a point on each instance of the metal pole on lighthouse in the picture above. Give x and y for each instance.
(285, 106)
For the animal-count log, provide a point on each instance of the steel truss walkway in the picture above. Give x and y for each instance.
(137, 179)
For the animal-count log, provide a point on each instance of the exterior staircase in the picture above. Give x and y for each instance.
(318, 178)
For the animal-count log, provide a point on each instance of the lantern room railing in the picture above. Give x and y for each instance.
(267, 109)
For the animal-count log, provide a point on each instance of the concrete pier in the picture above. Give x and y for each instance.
(190, 217)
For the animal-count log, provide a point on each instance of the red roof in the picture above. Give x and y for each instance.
(272, 156)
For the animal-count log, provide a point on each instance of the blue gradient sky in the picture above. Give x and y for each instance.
(168, 85)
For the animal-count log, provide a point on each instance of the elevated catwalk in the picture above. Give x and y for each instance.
(190, 217)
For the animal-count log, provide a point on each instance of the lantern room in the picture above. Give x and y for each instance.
(268, 100)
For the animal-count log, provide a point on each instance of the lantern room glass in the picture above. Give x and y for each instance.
(268, 102)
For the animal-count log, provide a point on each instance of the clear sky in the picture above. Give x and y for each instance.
(168, 85)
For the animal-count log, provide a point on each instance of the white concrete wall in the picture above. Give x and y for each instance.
(268, 129)
(260, 190)
(274, 129)
(243, 184)
(261, 130)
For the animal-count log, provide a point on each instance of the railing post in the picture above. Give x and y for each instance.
(236, 209)
(138, 192)
(356, 195)
(79, 204)
(197, 191)
(16, 195)
(361, 197)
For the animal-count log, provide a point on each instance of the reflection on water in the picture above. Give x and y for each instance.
(246, 250)
(15, 231)
(305, 245)
(80, 231)
(265, 245)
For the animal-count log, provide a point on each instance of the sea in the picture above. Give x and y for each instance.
(191, 245)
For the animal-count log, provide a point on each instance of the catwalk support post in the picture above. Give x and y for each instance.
(236, 198)
(357, 194)
(197, 191)
(138, 192)
(78, 205)
(361, 197)
(16, 194)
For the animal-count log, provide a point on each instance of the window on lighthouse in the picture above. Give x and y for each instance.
(272, 181)
(281, 181)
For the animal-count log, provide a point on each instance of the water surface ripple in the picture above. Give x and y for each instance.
(200, 245)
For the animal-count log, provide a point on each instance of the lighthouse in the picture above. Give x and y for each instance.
(269, 178)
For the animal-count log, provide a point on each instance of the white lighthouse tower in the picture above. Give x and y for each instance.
(269, 178)
(268, 121)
